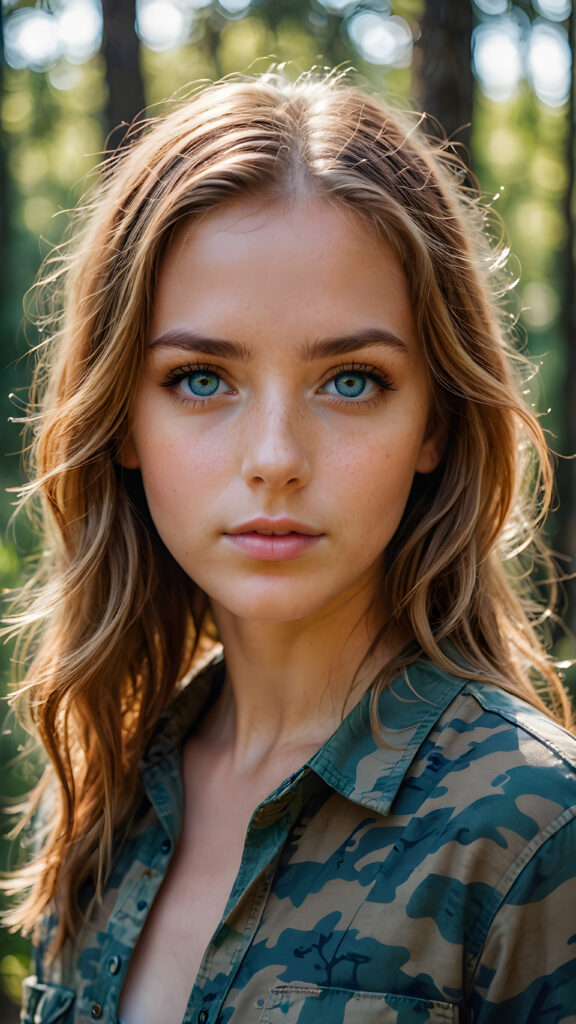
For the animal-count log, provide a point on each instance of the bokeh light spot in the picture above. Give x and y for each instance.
(37, 212)
(65, 76)
(497, 59)
(80, 28)
(380, 39)
(555, 10)
(505, 149)
(549, 63)
(16, 111)
(160, 24)
(234, 7)
(341, 5)
(539, 305)
(31, 39)
(492, 6)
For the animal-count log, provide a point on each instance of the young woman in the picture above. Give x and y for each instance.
(302, 758)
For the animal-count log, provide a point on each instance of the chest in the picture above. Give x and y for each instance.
(182, 920)
(190, 903)
(331, 909)
(334, 905)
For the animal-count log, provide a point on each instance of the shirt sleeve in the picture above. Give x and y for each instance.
(527, 968)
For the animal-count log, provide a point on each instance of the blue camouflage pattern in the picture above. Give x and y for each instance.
(427, 877)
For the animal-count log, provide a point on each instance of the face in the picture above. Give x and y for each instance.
(284, 408)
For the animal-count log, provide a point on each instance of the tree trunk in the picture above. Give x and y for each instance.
(443, 67)
(120, 47)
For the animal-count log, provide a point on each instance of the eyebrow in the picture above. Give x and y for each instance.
(323, 348)
(189, 341)
(326, 347)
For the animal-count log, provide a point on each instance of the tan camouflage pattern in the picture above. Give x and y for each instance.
(428, 878)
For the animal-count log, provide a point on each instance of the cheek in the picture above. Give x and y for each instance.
(176, 477)
(374, 484)
(181, 460)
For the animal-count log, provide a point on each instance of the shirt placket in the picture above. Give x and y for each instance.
(99, 1000)
(267, 833)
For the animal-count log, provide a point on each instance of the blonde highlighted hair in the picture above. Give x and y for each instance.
(113, 620)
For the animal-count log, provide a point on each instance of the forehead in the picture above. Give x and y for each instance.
(298, 270)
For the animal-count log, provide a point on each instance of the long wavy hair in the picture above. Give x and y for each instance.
(111, 622)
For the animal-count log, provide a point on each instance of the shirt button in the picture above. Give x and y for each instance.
(114, 965)
(202, 1016)
(95, 1011)
(166, 846)
(141, 905)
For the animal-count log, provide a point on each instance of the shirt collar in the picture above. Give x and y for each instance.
(184, 711)
(351, 761)
(370, 771)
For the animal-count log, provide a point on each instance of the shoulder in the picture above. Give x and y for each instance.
(501, 737)
(520, 817)
(496, 779)
(491, 784)
(489, 823)
(530, 723)
(505, 768)
(486, 747)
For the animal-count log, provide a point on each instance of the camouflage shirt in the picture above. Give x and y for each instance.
(431, 877)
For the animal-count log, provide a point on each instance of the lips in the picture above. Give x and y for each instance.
(268, 527)
(273, 540)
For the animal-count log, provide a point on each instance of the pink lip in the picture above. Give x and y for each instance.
(273, 547)
(280, 525)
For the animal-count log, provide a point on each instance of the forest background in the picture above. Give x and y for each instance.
(498, 76)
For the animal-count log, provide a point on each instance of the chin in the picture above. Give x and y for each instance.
(269, 607)
(269, 612)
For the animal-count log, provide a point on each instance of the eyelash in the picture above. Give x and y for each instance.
(180, 373)
(378, 377)
(372, 373)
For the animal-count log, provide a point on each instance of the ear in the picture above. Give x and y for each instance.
(432, 448)
(127, 455)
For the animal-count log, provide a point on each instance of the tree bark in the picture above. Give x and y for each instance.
(443, 67)
(121, 48)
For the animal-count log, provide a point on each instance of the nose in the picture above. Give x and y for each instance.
(276, 448)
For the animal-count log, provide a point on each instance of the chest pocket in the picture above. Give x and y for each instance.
(305, 1004)
(45, 1004)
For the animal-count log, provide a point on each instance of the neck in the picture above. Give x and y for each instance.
(289, 684)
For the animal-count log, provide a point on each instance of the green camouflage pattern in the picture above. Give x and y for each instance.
(430, 877)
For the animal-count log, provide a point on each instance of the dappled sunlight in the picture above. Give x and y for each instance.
(507, 48)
